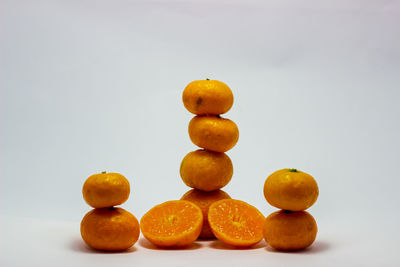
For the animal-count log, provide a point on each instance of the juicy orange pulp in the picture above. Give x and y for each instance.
(236, 223)
(175, 223)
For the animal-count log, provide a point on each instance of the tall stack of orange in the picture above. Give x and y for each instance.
(106, 227)
(209, 169)
(292, 191)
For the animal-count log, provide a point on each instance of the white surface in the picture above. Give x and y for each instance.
(88, 86)
(45, 242)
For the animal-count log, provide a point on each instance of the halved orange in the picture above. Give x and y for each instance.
(236, 222)
(175, 223)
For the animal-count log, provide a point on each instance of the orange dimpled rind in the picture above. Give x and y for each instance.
(290, 231)
(213, 133)
(291, 189)
(236, 222)
(207, 97)
(110, 229)
(206, 170)
(103, 190)
(175, 223)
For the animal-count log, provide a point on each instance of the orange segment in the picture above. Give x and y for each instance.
(236, 222)
(175, 223)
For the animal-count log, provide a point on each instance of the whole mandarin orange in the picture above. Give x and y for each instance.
(172, 224)
(204, 200)
(207, 97)
(110, 229)
(290, 230)
(206, 170)
(104, 190)
(213, 133)
(291, 189)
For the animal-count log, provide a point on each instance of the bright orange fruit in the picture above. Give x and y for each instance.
(213, 133)
(204, 200)
(206, 170)
(175, 223)
(288, 230)
(236, 222)
(207, 97)
(291, 189)
(110, 229)
(105, 190)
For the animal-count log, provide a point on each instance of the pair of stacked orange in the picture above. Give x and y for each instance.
(106, 227)
(292, 191)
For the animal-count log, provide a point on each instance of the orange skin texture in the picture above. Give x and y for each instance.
(105, 190)
(290, 231)
(291, 190)
(213, 133)
(206, 170)
(236, 222)
(204, 200)
(207, 97)
(172, 224)
(110, 229)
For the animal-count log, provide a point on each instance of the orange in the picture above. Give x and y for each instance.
(213, 133)
(175, 223)
(110, 229)
(236, 223)
(291, 189)
(204, 200)
(207, 97)
(104, 190)
(206, 170)
(288, 230)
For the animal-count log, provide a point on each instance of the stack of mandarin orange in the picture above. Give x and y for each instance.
(106, 227)
(291, 228)
(209, 169)
(205, 211)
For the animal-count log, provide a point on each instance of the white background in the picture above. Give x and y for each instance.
(88, 86)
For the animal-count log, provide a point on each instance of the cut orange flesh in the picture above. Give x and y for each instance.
(175, 223)
(236, 223)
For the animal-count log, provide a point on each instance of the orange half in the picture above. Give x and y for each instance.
(175, 223)
(236, 222)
